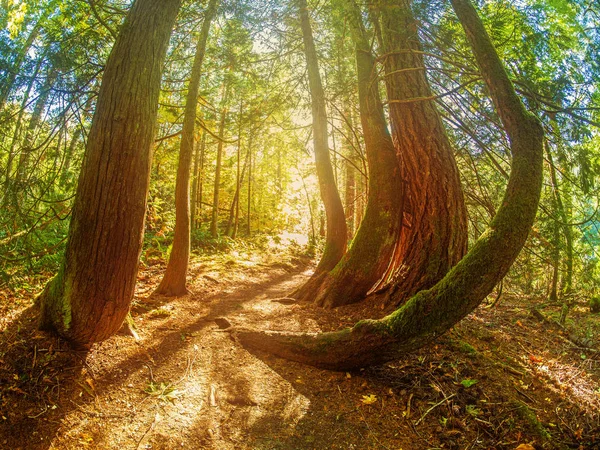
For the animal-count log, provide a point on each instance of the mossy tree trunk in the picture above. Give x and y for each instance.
(336, 230)
(91, 295)
(373, 246)
(174, 280)
(430, 313)
(434, 237)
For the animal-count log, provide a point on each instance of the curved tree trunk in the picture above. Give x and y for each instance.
(373, 246)
(174, 280)
(432, 312)
(434, 237)
(335, 241)
(90, 296)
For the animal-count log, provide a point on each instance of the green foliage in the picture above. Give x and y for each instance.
(468, 382)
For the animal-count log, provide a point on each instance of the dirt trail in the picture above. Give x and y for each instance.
(187, 384)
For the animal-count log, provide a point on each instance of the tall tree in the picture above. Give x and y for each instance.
(431, 312)
(214, 223)
(174, 280)
(336, 238)
(90, 296)
(369, 256)
(435, 236)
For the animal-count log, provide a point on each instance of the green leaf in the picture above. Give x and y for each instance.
(468, 382)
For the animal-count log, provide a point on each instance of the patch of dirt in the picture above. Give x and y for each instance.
(500, 379)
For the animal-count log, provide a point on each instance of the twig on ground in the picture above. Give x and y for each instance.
(433, 407)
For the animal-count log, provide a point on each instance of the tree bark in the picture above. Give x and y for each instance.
(434, 237)
(90, 296)
(373, 246)
(174, 280)
(432, 312)
(335, 241)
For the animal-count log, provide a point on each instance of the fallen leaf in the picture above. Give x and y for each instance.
(369, 399)
(535, 359)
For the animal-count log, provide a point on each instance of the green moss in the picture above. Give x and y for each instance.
(533, 424)
(467, 348)
(55, 304)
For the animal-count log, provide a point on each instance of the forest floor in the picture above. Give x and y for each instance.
(500, 379)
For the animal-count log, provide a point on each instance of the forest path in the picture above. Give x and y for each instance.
(186, 384)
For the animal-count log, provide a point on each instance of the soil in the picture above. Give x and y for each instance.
(500, 379)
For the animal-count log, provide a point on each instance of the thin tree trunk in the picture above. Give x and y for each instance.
(248, 228)
(335, 242)
(375, 242)
(7, 86)
(64, 176)
(563, 222)
(350, 188)
(174, 280)
(235, 201)
(564, 206)
(432, 312)
(90, 296)
(214, 224)
(30, 135)
(17, 134)
(434, 237)
(197, 181)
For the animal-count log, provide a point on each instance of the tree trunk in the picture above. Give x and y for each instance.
(30, 135)
(7, 86)
(174, 280)
(214, 223)
(248, 225)
(90, 296)
(65, 175)
(434, 237)
(335, 241)
(369, 256)
(563, 208)
(432, 312)
(234, 203)
(234, 211)
(17, 133)
(198, 181)
(350, 194)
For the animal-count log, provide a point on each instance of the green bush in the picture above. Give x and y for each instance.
(595, 304)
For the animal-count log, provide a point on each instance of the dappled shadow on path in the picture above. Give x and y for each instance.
(114, 396)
